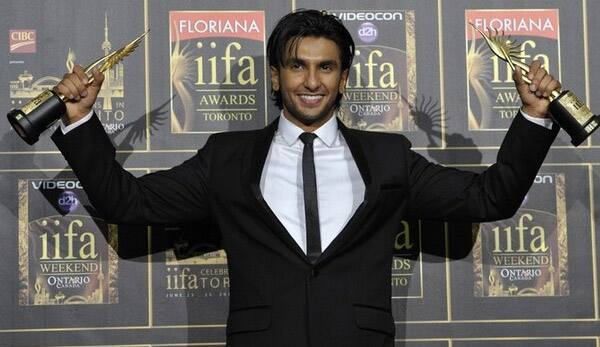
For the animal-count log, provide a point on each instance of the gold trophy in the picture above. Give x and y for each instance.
(566, 109)
(42, 111)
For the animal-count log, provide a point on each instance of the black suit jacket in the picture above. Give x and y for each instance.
(277, 297)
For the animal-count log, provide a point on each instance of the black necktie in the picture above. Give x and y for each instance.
(311, 209)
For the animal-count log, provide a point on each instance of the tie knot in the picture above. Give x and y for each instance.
(307, 138)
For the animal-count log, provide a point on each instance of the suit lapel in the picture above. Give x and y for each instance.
(254, 173)
(350, 232)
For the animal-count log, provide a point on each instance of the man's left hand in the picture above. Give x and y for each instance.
(535, 95)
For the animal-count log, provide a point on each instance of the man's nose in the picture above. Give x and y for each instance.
(312, 80)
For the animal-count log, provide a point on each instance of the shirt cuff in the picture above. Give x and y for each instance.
(66, 128)
(545, 122)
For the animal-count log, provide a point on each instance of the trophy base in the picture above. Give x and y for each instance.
(23, 126)
(588, 129)
(574, 117)
(36, 116)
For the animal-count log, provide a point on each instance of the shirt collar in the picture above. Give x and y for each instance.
(290, 132)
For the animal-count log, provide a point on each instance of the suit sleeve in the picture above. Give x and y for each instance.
(442, 193)
(177, 195)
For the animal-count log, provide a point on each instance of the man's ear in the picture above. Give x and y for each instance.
(274, 78)
(343, 81)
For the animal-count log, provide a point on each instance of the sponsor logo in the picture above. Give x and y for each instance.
(196, 24)
(370, 16)
(367, 32)
(22, 41)
(46, 184)
(541, 23)
(68, 201)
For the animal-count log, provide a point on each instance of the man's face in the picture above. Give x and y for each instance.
(310, 81)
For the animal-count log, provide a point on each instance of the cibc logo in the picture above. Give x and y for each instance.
(67, 201)
(367, 32)
(22, 40)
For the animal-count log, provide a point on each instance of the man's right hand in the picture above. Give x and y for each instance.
(80, 97)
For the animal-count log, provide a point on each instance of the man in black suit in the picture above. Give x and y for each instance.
(307, 208)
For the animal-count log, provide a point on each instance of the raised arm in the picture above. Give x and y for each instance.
(172, 196)
(448, 194)
(442, 193)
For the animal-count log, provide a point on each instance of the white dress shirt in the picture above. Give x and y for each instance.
(340, 188)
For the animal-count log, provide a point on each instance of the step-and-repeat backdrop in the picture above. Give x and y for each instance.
(70, 279)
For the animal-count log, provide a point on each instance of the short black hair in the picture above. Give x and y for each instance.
(307, 23)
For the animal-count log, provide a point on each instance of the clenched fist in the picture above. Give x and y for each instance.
(535, 95)
(80, 96)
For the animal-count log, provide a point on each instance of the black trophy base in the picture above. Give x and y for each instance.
(23, 126)
(587, 129)
(36, 116)
(574, 117)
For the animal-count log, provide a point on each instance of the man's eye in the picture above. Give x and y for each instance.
(295, 66)
(326, 67)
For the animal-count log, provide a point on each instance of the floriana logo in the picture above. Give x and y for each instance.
(22, 41)
(518, 22)
(492, 99)
(218, 25)
(214, 78)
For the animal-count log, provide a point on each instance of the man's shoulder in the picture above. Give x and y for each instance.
(378, 138)
(237, 136)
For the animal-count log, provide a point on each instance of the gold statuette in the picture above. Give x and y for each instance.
(566, 109)
(42, 111)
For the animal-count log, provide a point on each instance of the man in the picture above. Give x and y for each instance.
(307, 208)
